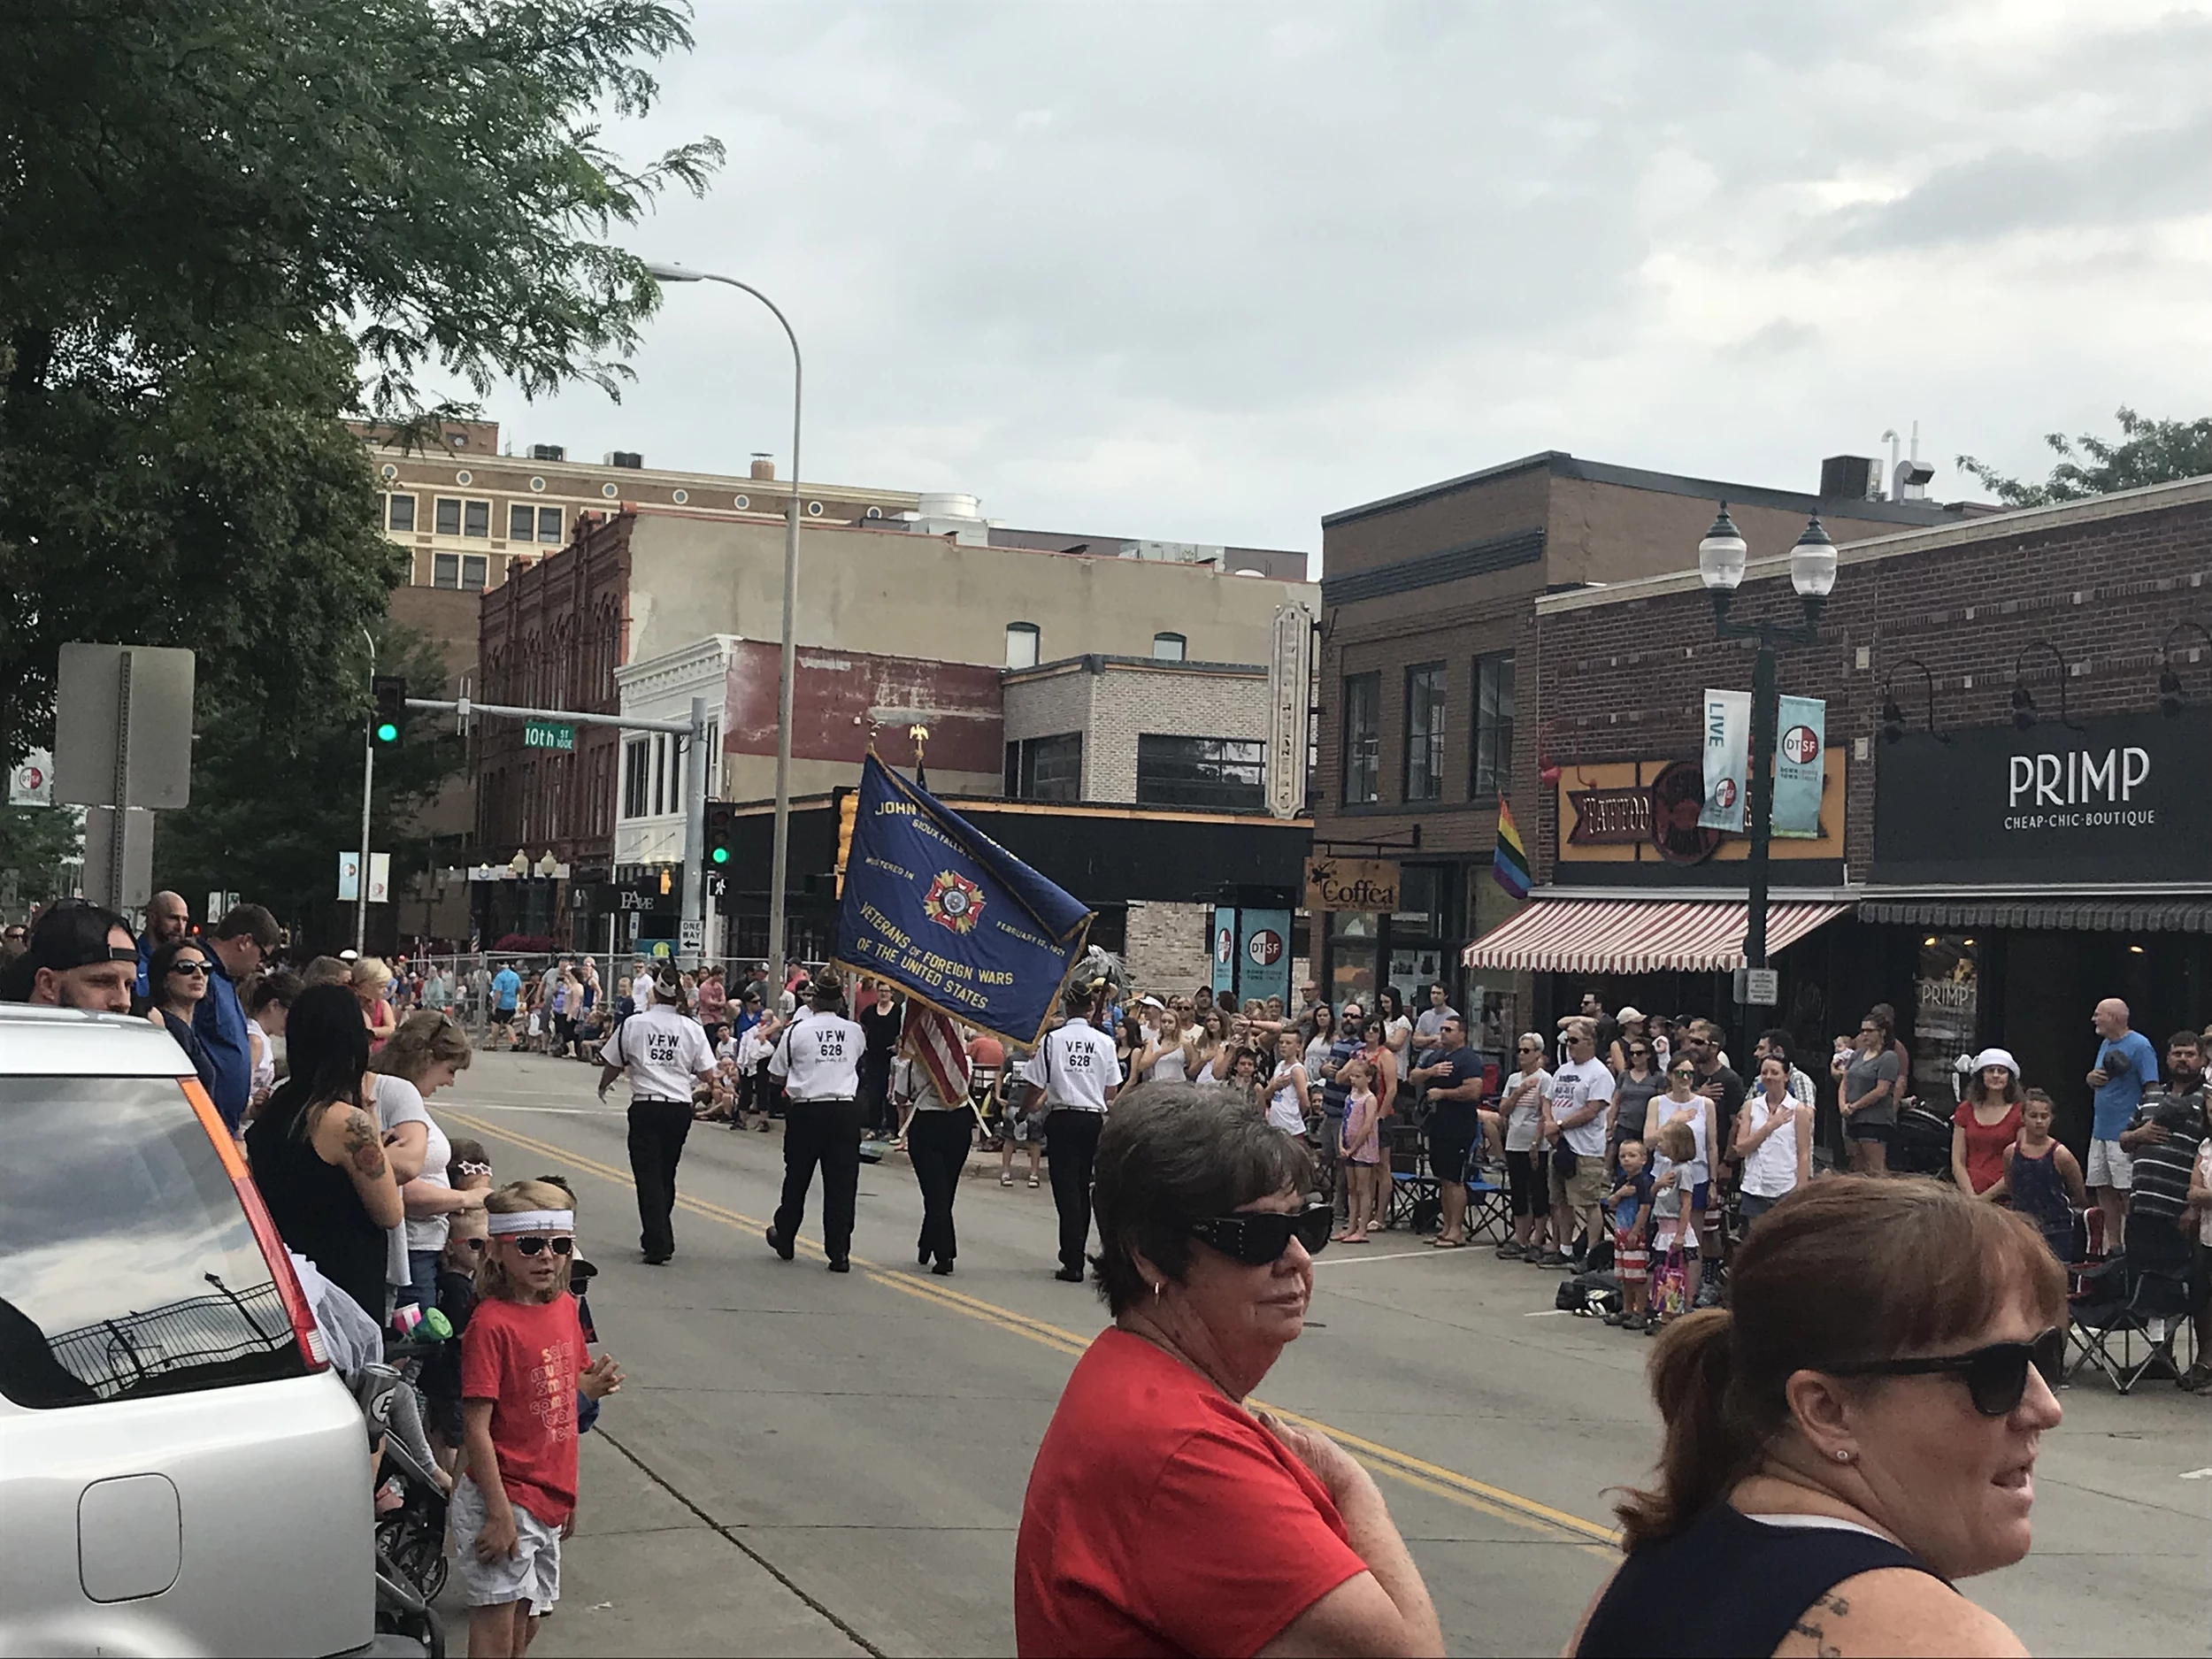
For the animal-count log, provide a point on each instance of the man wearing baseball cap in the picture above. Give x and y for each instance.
(79, 955)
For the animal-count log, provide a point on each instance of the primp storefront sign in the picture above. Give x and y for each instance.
(2122, 799)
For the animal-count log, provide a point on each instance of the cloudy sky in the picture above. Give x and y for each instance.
(1207, 270)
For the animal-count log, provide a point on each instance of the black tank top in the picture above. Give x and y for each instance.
(317, 1212)
(1728, 1585)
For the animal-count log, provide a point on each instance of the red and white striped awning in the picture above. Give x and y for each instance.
(1638, 935)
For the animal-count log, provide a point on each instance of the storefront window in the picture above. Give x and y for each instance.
(1946, 993)
(1420, 954)
(1353, 936)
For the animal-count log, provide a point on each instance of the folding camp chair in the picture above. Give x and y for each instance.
(1489, 1217)
(2123, 1303)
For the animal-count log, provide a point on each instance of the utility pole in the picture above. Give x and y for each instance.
(695, 835)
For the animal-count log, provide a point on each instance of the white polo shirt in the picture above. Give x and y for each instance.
(819, 1057)
(1074, 1066)
(662, 1051)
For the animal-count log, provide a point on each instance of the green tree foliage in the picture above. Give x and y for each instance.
(274, 799)
(34, 842)
(225, 225)
(2147, 452)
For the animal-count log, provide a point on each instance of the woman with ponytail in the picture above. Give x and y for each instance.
(1854, 1431)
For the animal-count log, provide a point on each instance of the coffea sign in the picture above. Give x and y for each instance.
(1351, 884)
(2117, 800)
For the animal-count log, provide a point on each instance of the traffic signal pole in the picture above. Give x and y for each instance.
(695, 784)
(368, 781)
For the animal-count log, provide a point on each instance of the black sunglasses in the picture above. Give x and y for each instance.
(533, 1244)
(1996, 1376)
(475, 1245)
(1258, 1238)
(187, 967)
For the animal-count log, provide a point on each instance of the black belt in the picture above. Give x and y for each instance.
(822, 1100)
(656, 1099)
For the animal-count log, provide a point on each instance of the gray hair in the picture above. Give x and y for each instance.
(1172, 1154)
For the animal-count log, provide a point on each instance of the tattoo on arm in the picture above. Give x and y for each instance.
(1814, 1634)
(363, 1150)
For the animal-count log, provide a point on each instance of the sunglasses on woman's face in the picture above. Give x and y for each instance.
(1259, 1237)
(535, 1244)
(1639, 1051)
(474, 1247)
(195, 968)
(1996, 1376)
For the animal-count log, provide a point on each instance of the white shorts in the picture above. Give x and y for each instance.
(532, 1574)
(2108, 1166)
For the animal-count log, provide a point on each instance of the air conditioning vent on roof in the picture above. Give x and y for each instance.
(1850, 477)
(625, 458)
(547, 452)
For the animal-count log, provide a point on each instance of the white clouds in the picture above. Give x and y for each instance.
(1208, 271)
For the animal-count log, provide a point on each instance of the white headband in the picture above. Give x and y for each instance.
(530, 1221)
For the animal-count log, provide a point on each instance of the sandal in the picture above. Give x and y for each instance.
(1032, 1183)
(2197, 1379)
(1442, 1243)
(1006, 1178)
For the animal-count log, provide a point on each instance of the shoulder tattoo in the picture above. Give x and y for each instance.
(365, 1151)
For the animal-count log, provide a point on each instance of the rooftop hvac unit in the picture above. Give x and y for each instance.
(629, 458)
(547, 452)
(1850, 477)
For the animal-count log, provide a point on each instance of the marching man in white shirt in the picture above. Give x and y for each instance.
(663, 1051)
(818, 1060)
(1077, 1072)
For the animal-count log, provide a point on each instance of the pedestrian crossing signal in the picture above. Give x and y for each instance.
(721, 834)
(390, 718)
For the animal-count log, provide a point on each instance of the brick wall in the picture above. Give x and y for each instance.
(1113, 702)
(1165, 946)
(1622, 676)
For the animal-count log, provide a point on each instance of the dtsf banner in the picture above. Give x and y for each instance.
(1727, 743)
(938, 909)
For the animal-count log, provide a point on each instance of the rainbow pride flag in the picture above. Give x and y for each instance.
(1509, 863)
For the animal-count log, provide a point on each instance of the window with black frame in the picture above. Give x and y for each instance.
(1492, 766)
(1362, 739)
(1227, 773)
(1046, 768)
(1424, 733)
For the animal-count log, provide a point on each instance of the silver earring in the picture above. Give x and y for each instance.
(1158, 1285)
(1843, 1457)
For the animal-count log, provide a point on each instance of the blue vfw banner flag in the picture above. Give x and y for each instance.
(940, 911)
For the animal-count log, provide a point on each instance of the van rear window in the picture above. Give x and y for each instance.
(128, 1266)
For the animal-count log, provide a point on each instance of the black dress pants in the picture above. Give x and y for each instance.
(1071, 1147)
(657, 1131)
(937, 1146)
(824, 1133)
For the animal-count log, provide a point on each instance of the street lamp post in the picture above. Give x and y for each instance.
(1721, 557)
(779, 859)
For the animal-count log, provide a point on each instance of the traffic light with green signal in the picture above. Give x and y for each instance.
(389, 724)
(721, 834)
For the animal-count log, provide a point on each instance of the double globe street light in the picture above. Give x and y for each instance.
(1721, 559)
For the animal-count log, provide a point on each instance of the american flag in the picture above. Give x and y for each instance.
(937, 1046)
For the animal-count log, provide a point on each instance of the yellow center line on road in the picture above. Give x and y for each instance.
(1495, 1501)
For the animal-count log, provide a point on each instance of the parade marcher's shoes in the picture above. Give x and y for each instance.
(840, 1264)
(943, 1270)
(655, 1261)
(1069, 1275)
(781, 1247)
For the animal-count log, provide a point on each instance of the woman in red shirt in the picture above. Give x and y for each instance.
(1164, 1516)
(1986, 1123)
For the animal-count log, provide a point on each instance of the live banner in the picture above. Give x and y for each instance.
(936, 907)
(1725, 743)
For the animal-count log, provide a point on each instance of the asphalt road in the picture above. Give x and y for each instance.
(806, 1463)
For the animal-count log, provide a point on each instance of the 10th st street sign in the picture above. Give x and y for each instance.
(549, 735)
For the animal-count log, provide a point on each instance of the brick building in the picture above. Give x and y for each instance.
(1428, 622)
(1989, 879)
(895, 623)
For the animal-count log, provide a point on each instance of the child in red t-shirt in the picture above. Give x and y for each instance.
(522, 1360)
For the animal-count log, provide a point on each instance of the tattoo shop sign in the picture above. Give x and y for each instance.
(2118, 799)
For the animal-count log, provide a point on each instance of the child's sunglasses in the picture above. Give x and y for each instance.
(535, 1244)
(1258, 1238)
(1996, 1376)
